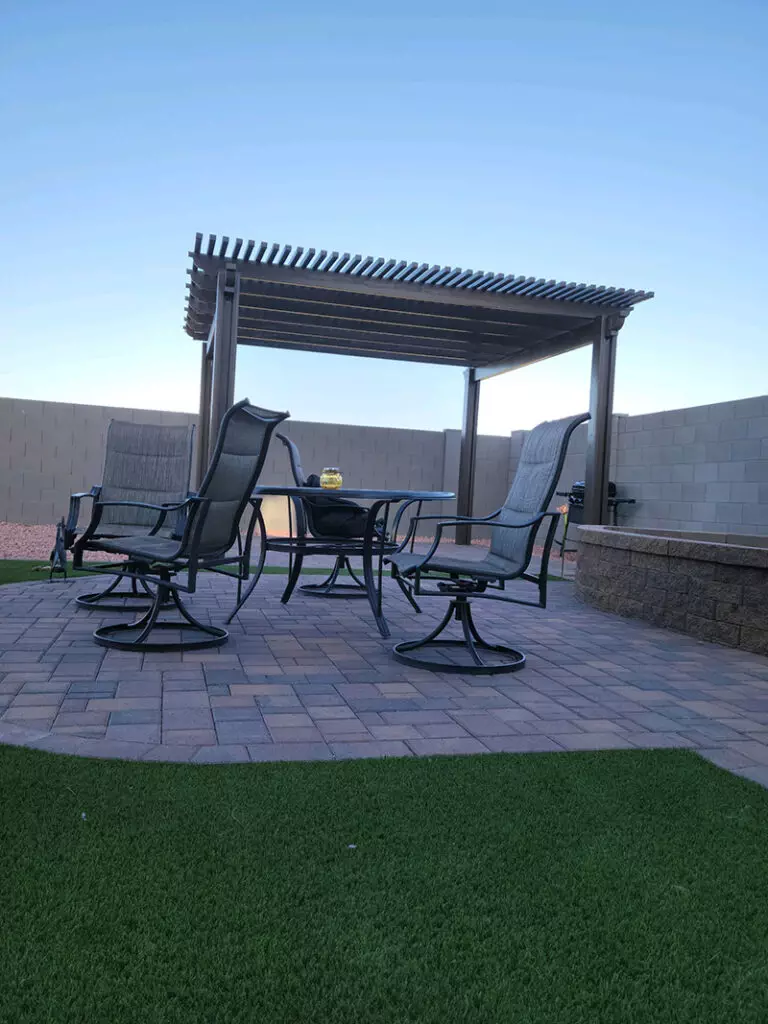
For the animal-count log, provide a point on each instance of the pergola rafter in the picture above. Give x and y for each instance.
(278, 296)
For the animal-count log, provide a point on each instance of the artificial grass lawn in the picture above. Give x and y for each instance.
(25, 570)
(615, 887)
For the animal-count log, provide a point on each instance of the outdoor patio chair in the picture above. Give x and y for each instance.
(325, 525)
(210, 532)
(460, 577)
(336, 523)
(143, 462)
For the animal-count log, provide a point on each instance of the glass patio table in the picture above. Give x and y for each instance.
(375, 544)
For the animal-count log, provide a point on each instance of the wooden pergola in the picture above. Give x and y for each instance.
(278, 296)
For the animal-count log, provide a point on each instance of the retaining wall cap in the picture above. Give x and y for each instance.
(675, 547)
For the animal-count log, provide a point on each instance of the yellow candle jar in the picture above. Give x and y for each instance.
(331, 478)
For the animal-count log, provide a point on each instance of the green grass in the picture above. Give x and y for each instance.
(607, 888)
(24, 570)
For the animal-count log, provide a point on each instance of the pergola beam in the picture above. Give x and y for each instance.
(354, 330)
(367, 344)
(300, 343)
(561, 343)
(330, 317)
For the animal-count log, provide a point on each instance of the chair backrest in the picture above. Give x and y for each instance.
(237, 461)
(324, 517)
(299, 476)
(539, 468)
(146, 462)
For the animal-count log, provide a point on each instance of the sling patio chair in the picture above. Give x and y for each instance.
(335, 525)
(143, 462)
(324, 525)
(460, 576)
(207, 542)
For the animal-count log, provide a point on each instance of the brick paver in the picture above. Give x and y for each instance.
(314, 681)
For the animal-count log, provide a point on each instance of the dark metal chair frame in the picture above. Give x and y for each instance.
(67, 532)
(309, 541)
(188, 556)
(481, 584)
(306, 528)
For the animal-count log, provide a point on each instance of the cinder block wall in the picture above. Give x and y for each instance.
(367, 456)
(703, 468)
(50, 449)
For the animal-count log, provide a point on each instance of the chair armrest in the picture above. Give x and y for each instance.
(181, 518)
(193, 500)
(502, 526)
(538, 518)
(73, 514)
(179, 507)
(163, 509)
(170, 506)
(399, 515)
(410, 535)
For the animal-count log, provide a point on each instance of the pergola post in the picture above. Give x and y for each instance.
(466, 487)
(599, 426)
(224, 349)
(204, 419)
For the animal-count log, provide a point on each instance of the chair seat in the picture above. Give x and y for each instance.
(142, 547)
(112, 530)
(490, 567)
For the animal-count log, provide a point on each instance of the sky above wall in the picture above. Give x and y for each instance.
(610, 143)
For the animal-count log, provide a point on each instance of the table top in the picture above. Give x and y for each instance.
(361, 494)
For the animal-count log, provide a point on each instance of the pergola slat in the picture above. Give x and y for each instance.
(405, 270)
(377, 264)
(364, 266)
(386, 268)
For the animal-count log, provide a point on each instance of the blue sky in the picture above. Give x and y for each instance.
(601, 142)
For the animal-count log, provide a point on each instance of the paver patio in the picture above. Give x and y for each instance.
(314, 680)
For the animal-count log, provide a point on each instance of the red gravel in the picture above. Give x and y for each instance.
(35, 542)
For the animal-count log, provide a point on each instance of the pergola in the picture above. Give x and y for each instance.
(278, 296)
